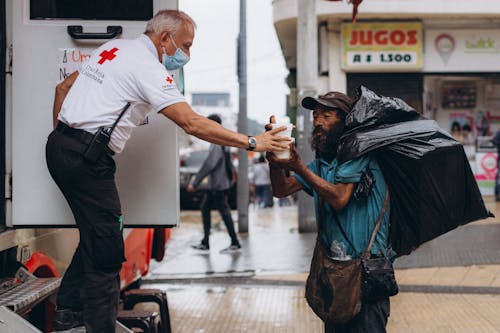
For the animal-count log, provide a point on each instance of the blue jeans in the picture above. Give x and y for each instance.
(264, 196)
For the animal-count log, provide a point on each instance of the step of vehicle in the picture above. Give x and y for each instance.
(13, 323)
(26, 290)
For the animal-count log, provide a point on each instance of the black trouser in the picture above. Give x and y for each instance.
(371, 319)
(91, 282)
(219, 200)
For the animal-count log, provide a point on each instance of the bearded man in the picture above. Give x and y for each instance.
(348, 218)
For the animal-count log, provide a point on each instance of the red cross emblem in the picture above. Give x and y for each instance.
(107, 55)
(169, 80)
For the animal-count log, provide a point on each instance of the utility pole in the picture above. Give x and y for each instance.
(307, 77)
(242, 122)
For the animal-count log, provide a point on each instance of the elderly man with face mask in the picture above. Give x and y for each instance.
(347, 220)
(95, 110)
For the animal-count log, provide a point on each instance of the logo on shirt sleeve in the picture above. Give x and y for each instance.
(169, 83)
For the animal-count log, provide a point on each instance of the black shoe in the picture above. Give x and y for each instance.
(231, 249)
(65, 319)
(201, 247)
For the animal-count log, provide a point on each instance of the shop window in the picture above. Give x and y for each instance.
(130, 10)
(458, 95)
(407, 86)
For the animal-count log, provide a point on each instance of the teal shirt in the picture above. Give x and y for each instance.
(359, 217)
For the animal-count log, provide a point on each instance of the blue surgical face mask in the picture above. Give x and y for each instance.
(178, 60)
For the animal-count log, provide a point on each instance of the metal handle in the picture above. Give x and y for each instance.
(76, 32)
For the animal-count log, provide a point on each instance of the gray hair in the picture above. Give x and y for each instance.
(168, 21)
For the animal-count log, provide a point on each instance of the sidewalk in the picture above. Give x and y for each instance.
(451, 284)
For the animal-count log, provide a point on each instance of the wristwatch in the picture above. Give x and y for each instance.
(252, 143)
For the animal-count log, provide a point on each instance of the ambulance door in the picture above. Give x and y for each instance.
(51, 38)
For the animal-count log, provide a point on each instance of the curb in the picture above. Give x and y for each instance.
(247, 279)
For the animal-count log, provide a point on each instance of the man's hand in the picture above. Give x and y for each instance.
(272, 120)
(281, 183)
(294, 163)
(269, 141)
(190, 188)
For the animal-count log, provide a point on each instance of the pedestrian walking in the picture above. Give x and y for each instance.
(496, 142)
(219, 170)
(261, 181)
(346, 221)
(95, 110)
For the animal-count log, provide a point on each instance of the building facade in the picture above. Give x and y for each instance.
(441, 57)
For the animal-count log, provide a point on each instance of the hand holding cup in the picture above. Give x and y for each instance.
(284, 154)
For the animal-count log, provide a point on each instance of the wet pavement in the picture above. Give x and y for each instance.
(472, 244)
(450, 284)
(272, 245)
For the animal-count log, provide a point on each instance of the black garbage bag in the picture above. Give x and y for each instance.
(430, 180)
(371, 109)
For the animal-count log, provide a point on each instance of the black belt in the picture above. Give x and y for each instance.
(79, 134)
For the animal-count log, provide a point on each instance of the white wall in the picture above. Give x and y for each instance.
(287, 9)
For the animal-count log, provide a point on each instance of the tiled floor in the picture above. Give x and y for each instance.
(273, 267)
(257, 309)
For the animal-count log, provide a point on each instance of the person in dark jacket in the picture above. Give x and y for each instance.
(219, 170)
(496, 142)
(261, 180)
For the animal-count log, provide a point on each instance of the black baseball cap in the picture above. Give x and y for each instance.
(332, 99)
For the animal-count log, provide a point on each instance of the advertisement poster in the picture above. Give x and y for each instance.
(486, 171)
(462, 118)
(382, 46)
(455, 50)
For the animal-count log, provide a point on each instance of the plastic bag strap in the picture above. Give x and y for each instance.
(377, 226)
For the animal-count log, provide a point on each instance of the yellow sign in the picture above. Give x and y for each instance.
(382, 46)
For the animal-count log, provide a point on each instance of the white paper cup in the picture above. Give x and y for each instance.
(285, 154)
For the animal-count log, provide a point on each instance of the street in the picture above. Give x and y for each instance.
(450, 284)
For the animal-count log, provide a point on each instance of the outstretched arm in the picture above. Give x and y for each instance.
(201, 127)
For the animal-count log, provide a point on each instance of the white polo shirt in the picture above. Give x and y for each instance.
(121, 71)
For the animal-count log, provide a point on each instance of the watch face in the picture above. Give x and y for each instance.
(252, 142)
